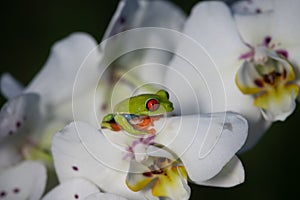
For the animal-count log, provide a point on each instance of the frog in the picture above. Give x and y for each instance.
(136, 115)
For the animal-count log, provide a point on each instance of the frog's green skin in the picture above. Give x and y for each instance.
(137, 106)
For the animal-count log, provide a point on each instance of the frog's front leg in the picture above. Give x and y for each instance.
(109, 122)
(123, 122)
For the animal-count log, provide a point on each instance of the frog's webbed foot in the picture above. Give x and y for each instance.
(110, 123)
(144, 123)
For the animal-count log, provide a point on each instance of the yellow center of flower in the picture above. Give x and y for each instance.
(269, 77)
(168, 178)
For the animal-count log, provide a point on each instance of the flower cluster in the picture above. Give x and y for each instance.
(99, 117)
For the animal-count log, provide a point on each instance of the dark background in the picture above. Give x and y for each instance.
(29, 28)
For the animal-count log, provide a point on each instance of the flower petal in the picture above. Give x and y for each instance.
(72, 189)
(248, 79)
(136, 180)
(254, 28)
(253, 6)
(10, 87)
(204, 143)
(209, 24)
(127, 53)
(205, 63)
(24, 181)
(286, 65)
(9, 155)
(133, 14)
(231, 175)
(294, 57)
(278, 103)
(19, 115)
(80, 150)
(104, 196)
(286, 16)
(56, 79)
(172, 185)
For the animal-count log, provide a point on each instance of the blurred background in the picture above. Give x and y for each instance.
(28, 30)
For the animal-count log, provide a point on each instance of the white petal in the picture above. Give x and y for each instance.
(10, 87)
(19, 115)
(253, 6)
(205, 144)
(104, 196)
(294, 57)
(72, 189)
(257, 129)
(212, 25)
(135, 13)
(129, 52)
(80, 150)
(286, 17)
(24, 181)
(254, 28)
(231, 175)
(159, 152)
(245, 78)
(9, 154)
(206, 62)
(56, 79)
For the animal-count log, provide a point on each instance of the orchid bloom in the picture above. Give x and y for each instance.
(269, 69)
(33, 114)
(245, 62)
(200, 149)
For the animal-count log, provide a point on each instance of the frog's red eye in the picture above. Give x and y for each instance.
(152, 104)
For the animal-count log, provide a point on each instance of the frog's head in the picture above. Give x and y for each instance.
(150, 104)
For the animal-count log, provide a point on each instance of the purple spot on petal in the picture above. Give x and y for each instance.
(258, 10)
(122, 20)
(16, 190)
(267, 40)
(10, 132)
(76, 196)
(18, 124)
(75, 168)
(103, 107)
(2, 194)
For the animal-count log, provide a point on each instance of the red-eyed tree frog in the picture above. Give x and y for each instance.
(136, 114)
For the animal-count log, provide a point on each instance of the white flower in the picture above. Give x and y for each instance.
(199, 147)
(244, 63)
(272, 40)
(32, 115)
(28, 183)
